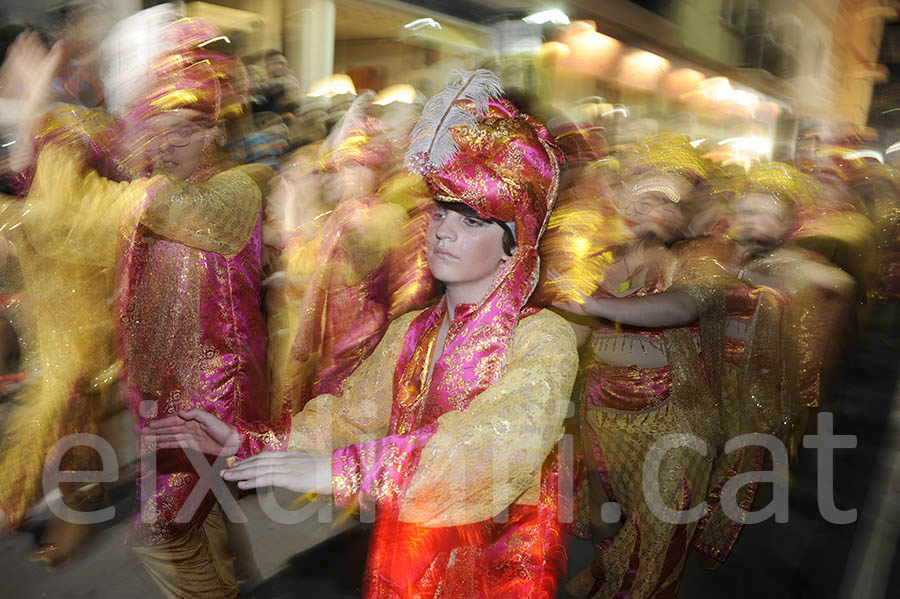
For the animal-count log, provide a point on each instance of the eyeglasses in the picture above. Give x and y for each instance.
(178, 137)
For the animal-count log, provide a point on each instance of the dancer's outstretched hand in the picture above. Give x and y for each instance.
(193, 429)
(571, 299)
(28, 69)
(26, 77)
(298, 471)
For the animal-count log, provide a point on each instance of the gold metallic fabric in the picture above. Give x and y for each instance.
(647, 555)
(196, 565)
(65, 242)
(218, 215)
(531, 395)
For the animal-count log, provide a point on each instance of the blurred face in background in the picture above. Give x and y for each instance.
(276, 66)
(348, 181)
(760, 221)
(652, 215)
(706, 214)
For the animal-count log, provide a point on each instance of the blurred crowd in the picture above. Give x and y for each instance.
(683, 270)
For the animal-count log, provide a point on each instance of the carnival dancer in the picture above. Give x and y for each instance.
(333, 303)
(582, 228)
(192, 332)
(836, 227)
(60, 308)
(454, 418)
(645, 382)
(185, 245)
(780, 303)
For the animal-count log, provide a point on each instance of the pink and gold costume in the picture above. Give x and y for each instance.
(627, 409)
(771, 377)
(191, 328)
(343, 310)
(751, 397)
(629, 406)
(192, 331)
(439, 457)
(825, 241)
(187, 313)
(775, 350)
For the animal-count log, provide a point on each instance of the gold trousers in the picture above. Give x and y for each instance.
(646, 556)
(196, 565)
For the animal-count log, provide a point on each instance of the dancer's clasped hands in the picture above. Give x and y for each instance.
(201, 431)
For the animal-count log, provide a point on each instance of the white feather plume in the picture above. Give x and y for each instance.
(128, 51)
(352, 119)
(431, 143)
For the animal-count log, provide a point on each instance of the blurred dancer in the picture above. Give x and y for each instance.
(192, 331)
(783, 306)
(453, 417)
(644, 379)
(583, 226)
(835, 227)
(60, 307)
(344, 262)
(185, 244)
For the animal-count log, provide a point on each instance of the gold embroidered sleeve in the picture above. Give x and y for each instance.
(363, 412)
(484, 459)
(75, 215)
(81, 130)
(218, 215)
(10, 220)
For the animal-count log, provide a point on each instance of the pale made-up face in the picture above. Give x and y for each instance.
(652, 214)
(759, 220)
(463, 250)
(178, 142)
